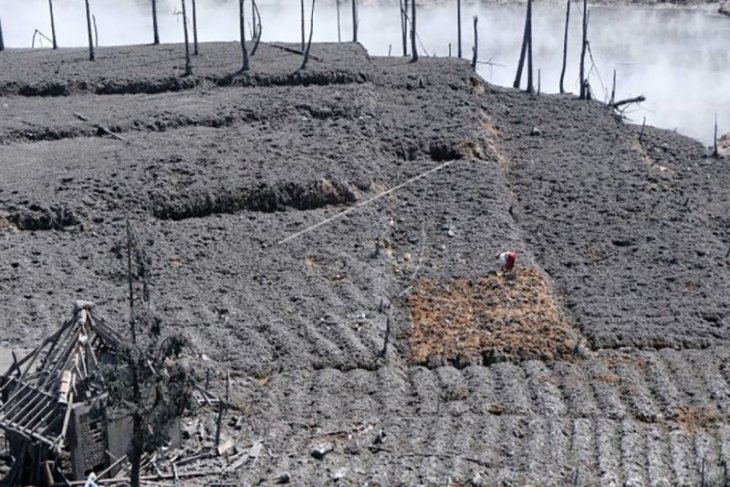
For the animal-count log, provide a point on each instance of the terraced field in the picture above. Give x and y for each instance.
(304, 225)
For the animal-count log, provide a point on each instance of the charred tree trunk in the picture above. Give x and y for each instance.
(339, 31)
(304, 41)
(583, 87)
(242, 28)
(88, 29)
(530, 85)
(195, 29)
(309, 43)
(404, 25)
(188, 66)
(53, 24)
(414, 47)
(254, 33)
(523, 50)
(2, 42)
(259, 28)
(475, 53)
(565, 49)
(96, 31)
(458, 28)
(715, 149)
(354, 20)
(155, 30)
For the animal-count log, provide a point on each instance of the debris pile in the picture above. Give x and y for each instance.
(511, 317)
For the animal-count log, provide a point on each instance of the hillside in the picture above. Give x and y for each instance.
(605, 357)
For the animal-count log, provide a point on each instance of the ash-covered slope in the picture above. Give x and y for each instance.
(622, 242)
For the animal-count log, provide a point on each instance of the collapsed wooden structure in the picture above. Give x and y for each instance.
(52, 407)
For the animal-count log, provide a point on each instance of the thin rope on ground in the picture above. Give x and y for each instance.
(367, 201)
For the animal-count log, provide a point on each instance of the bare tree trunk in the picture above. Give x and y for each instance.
(53, 24)
(613, 90)
(188, 67)
(523, 51)
(565, 49)
(404, 26)
(2, 42)
(154, 23)
(254, 34)
(195, 30)
(414, 47)
(242, 27)
(309, 43)
(475, 51)
(354, 20)
(96, 31)
(339, 32)
(304, 41)
(583, 51)
(257, 23)
(530, 84)
(88, 28)
(715, 150)
(458, 27)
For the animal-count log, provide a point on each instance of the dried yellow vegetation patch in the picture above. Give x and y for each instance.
(495, 318)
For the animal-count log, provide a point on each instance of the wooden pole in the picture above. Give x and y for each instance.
(613, 90)
(96, 31)
(188, 67)
(476, 45)
(2, 42)
(195, 30)
(88, 28)
(458, 27)
(583, 51)
(565, 49)
(404, 25)
(354, 20)
(53, 24)
(530, 85)
(523, 52)
(254, 33)
(414, 47)
(242, 28)
(155, 30)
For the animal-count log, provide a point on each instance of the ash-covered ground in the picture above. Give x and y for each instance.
(621, 234)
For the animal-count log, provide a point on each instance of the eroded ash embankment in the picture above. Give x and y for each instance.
(605, 355)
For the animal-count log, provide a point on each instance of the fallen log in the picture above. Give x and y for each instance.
(620, 103)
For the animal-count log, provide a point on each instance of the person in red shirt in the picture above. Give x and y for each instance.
(506, 261)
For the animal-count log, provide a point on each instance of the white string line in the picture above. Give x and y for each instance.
(367, 201)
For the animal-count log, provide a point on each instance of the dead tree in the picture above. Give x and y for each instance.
(2, 42)
(530, 85)
(304, 45)
(565, 49)
(309, 43)
(88, 28)
(414, 47)
(458, 28)
(354, 20)
(257, 26)
(195, 30)
(155, 31)
(242, 27)
(53, 24)
(715, 149)
(475, 53)
(403, 27)
(523, 50)
(254, 33)
(339, 32)
(188, 66)
(96, 31)
(613, 90)
(584, 47)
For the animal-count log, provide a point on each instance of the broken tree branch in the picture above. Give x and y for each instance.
(620, 103)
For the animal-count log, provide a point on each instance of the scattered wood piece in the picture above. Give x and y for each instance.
(620, 103)
(294, 51)
(81, 117)
(101, 130)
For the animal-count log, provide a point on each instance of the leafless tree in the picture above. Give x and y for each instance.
(88, 28)
(304, 41)
(195, 29)
(53, 24)
(354, 20)
(565, 48)
(414, 47)
(404, 24)
(96, 31)
(584, 47)
(257, 26)
(2, 42)
(523, 50)
(309, 43)
(154, 23)
(188, 66)
(530, 85)
(242, 27)
(715, 149)
(458, 28)
(475, 52)
(339, 32)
